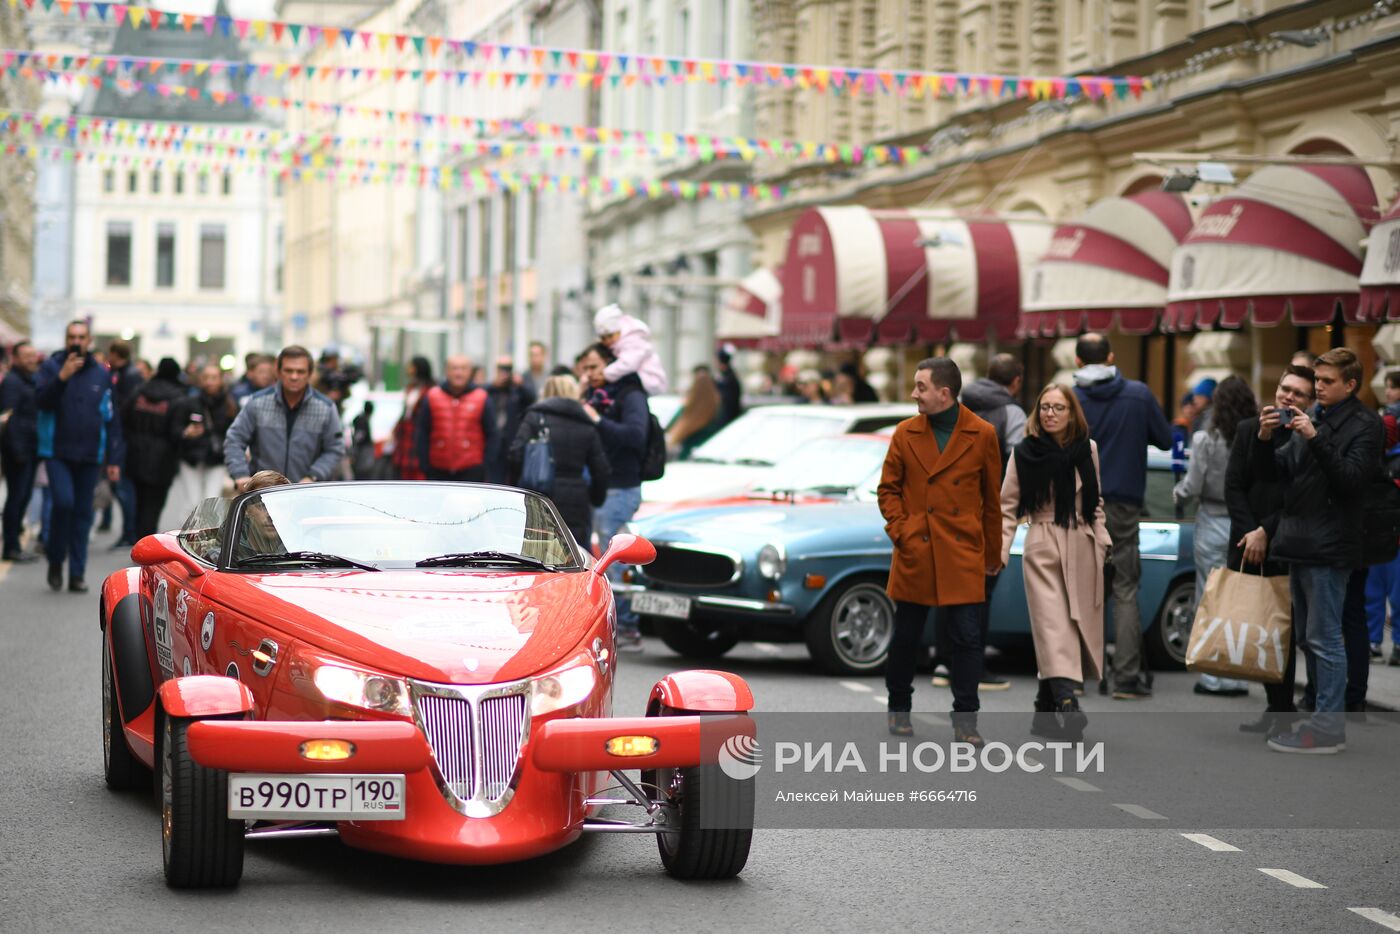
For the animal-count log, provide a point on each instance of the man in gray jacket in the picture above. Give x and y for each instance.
(288, 427)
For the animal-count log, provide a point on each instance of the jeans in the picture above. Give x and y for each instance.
(72, 485)
(1318, 596)
(1211, 545)
(943, 634)
(124, 492)
(1382, 587)
(19, 486)
(964, 657)
(617, 510)
(1122, 520)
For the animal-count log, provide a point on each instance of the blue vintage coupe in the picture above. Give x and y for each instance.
(781, 572)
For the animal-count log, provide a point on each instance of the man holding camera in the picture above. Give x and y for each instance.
(1326, 466)
(80, 435)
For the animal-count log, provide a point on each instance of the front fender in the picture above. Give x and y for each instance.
(117, 585)
(701, 690)
(197, 696)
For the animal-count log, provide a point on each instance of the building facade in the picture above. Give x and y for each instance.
(17, 199)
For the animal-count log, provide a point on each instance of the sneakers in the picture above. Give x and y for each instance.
(901, 724)
(1308, 742)
(1220, 692)
(988, 682)
(19, 557)
(940, 677)
(55, 577)
(628, 641)
(1376, 653)
(77, 585)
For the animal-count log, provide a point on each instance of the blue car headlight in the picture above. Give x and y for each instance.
(772, 561)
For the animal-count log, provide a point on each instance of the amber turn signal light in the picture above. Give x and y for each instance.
(814, 581)
(327, 749)
(633, 745)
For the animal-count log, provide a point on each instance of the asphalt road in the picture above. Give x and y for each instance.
(75, 857)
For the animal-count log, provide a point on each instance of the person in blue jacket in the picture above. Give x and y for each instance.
(1124, 418)
(79, 436)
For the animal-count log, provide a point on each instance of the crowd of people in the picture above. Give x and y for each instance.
(1282, 489)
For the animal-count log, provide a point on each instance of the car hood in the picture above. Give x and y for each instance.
(686, 480)
(449, 626)
(758, 524)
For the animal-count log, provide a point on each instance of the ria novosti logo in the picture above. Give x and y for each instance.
(740, 757)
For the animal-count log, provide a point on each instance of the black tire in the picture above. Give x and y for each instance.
(694, 640)
(1166, 639)
(715, 817)
(122, 770)
(849, 632)
(200, 846)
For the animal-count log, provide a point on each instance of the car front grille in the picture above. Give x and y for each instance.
(687, 567)
(475, 740)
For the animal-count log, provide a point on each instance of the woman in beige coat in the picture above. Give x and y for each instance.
(1052, 482)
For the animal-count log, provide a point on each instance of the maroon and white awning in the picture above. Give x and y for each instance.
(1285, 245)
(853, 275)
(1107, 268)
(754, 310)
(1380, 276)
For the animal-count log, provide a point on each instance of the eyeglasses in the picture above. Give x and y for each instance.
(1053, 408)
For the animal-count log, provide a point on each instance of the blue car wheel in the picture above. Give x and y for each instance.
(850, 631)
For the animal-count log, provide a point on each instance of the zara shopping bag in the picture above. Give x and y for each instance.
(1242, 627)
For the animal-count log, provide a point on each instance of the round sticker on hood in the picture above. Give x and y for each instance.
(206, 631)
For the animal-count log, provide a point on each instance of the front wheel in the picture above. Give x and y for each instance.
(712, 817)
(850, 631)
(200, 846)
(122, 770)
(694, 640)
(1169, 636)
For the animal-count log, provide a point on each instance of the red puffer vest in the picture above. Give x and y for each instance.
(457, 441)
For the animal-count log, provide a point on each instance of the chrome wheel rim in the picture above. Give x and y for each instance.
(862, 625)
(1177, 617)
(167, 791)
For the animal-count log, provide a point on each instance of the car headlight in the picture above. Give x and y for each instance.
(772, 561)
(363, 689)
(566, 687)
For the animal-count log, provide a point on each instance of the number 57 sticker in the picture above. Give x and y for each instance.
(316, 797)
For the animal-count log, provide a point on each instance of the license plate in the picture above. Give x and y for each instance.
(315, 797)
(661, 604)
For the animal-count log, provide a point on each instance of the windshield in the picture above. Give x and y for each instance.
(202, 533)
(766, 437)
(825, 465)
(398, 525)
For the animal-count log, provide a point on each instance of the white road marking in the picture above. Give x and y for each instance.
(1384, 918)
(1210, 843)
(1292, 878)
(855, 686)
(1078, 784)
(768, 648)
(882, 701)
(1138, 810)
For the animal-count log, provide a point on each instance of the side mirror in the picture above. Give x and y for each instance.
(162, 547)
(626, 548)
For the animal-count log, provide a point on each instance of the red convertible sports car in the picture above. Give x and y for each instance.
(425, 669)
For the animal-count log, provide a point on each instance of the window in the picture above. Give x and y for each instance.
(508, 216)
(165, 256)
(118, 253)
(109, 181)
(155, 182)
(683, 48)
(483, 227)
(723, 51)
(202, 183)
(211, 255)
(179, 183)
(131, 183)
(277, 183)
(277, 261)
(228, 183)
(532, 217)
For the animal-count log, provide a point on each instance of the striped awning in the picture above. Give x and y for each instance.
(1108, 268)
(1380, 276)
(754, 309)
(1285, 245)
(855, 275)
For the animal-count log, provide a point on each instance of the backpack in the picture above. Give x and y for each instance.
(654, 456)
(537, 468)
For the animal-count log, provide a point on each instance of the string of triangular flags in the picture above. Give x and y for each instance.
(629, 69)
(701, 145)
(320, 166)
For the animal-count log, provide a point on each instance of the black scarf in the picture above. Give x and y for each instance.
(1042, 466)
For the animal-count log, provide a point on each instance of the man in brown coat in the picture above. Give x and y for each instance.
(940, 494)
